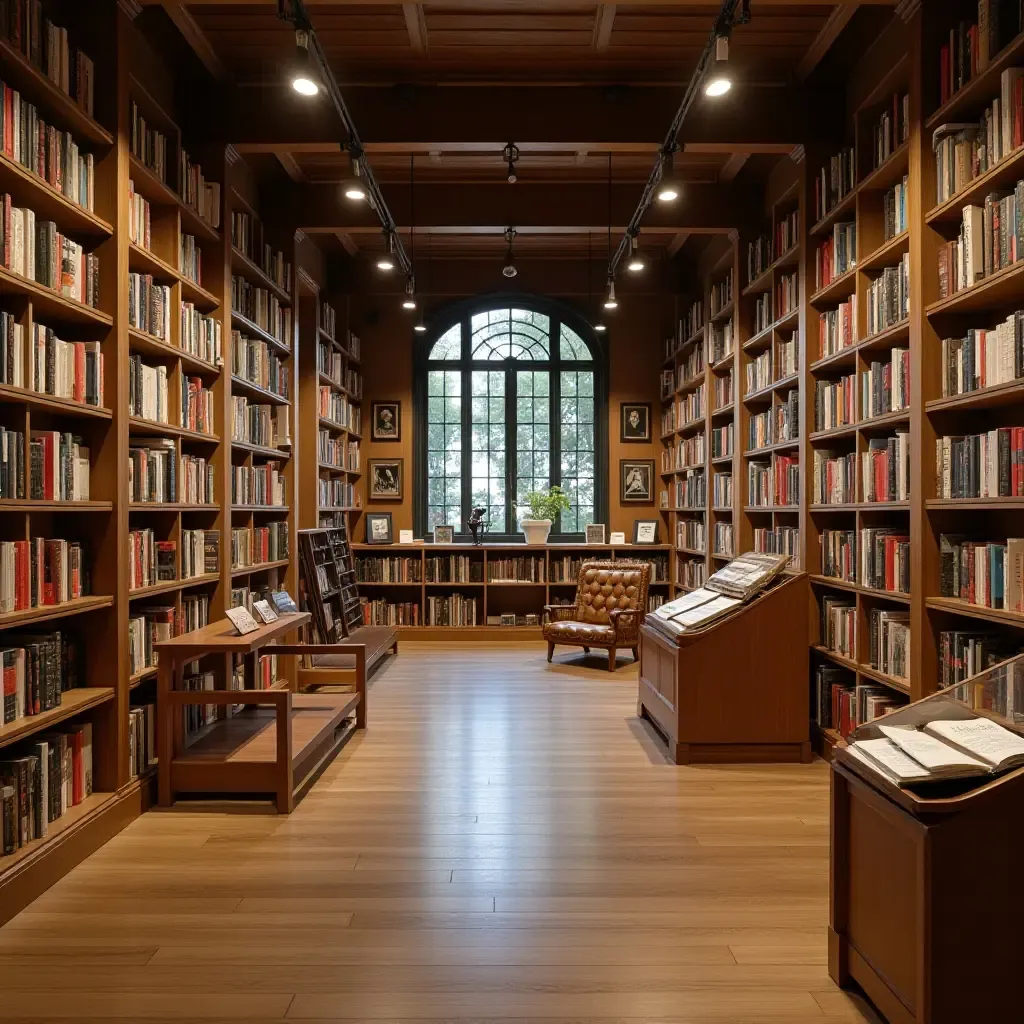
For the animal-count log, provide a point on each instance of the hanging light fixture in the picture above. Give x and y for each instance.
(352, 187)
(610, 302)
(670, 185)
(511, 153)
(409, 302)
(509, 269)
(303, 78)
(599, 326)
(420, 327)
(636, 261)
(387, 261)
(719, 80)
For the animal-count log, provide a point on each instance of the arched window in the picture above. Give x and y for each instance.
(511, 396)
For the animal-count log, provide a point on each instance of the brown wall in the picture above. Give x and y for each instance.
(635, 339)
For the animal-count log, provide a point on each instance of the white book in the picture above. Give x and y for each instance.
(882, 755)
(942, 760)
(981, 738)
(974, 244)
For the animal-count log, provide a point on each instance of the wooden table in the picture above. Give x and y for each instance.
(275, 747)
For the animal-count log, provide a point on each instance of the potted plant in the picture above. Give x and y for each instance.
(544, 507)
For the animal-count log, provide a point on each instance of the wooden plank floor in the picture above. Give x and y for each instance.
(505, 843)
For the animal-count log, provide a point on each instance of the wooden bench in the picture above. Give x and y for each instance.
(349, 666)
(278, 744)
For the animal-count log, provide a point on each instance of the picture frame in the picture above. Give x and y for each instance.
(386, 479)
(635, 423)
(617, 538)
(594, 533)
(406, 537)
(645, 531)
(378, 528)
(386, 421)
(636, 481)
(444, 534)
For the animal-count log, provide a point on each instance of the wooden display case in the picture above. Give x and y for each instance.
(924, 947)
(735, 691)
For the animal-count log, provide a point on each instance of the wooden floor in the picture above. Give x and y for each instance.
(505, 842)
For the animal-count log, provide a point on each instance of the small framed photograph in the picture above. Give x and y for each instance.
(508, 618)
(617, 538)
(406, 537)
(636, 481)
(265, 611)
(444, 534)
(635, 422)
(386, 421)
(595, 533)
(378, 528)
(645, 531)
(242, 620)
(385, 479)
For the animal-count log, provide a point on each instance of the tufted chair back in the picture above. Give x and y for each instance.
(605, 586)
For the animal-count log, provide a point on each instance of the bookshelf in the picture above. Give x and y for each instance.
(499, 579)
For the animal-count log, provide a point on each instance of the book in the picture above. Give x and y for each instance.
(983, 739)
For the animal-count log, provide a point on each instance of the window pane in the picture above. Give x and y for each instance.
(444, 448)
(488, 455)
(510, 333)
(572, 346)
(534, 456)
(577, 437)
(448, 346)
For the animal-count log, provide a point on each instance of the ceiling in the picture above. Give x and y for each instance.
(572, 83)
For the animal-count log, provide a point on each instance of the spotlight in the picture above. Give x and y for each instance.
(600, 327)
(511, 153)
(387, 261)
(610, 301)
(409, 302)
(719, 81)
(636, 261)
(420, 327)
(669, 185)
(509, 269)
(353, 186)
(304, 80)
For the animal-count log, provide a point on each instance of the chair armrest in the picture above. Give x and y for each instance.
(626, 623)
(559, 612)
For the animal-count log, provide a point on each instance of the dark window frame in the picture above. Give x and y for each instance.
(463, 312)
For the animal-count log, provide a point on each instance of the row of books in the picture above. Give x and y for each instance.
(685, 453)
(759, 430)
(334, 365)
(965, 653)
(891, 130)
(200, 334)
(691, 534)
(720, 342)
(884, 472)
(885, 387)
(723, 539)
(759, 372)
(837, 328)
(985, 573)
(264, 425)
(253, 361)
(146, 628)
(339, 410)
(147, 144)
(150, 561)
(46, 151)
(37, 671)
(787, 417)
(41, 572)
(763, 316)
(47, 47)
(336, 451)
(691, 406)
(260, 544)
(836, 255)
(835, 403)
(721, 293)
(335, 493)
(722, 441)
(247, 238)
(200, 553)
(140, 219)
(190, 258)
(723, 390)
(894, 210)
(522, 569)
(840, 704)
(888, 297)
(721, 496)
(380, 612)
(263, 309)
(759, 257)
(774, 483)
(197, 405)
(197, 192)
(984, 357)
(887, 640)
(156, 474)
(691, 574)
(65, 369)
(41, 781)
(778, 540)
(149, 306)
(258, 485)
(58, 466)
(973, 45)
(141, 739)
(691, 489)
(988, 465)
(408, 570)
(834, 182)
(37, 250)
(147, 390)
(787, 294)
(327, 319)
(991, 238)
(966, 150)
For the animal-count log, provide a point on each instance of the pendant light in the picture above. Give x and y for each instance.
(636, 261)
(509, 269)
(386, 262)
(304, 79)
(352, 187)
(511, 154)
(719, 80)
(610, 301)
(599, 326)
(670, 185)
(421, 323)
(409, 302)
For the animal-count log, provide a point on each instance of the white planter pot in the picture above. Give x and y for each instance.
(536, 530)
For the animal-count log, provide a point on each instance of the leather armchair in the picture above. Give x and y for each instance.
(610, 605)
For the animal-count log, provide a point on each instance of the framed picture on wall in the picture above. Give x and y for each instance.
(378, 528)
(386, 421)
(635, 422)
(645, 531)
(595, 533)
(385, 479)
(636, 481)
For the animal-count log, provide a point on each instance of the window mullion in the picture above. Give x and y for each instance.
(511, 452)
(467, 431)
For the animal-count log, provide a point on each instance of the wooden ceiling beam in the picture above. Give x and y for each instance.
(290, 165)
(678, 241)
(471, 208)
(416, 26)
(178, 12)
(837, 21)
(604, 19)
(733, 166)
(554, 5)
(451, 118)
